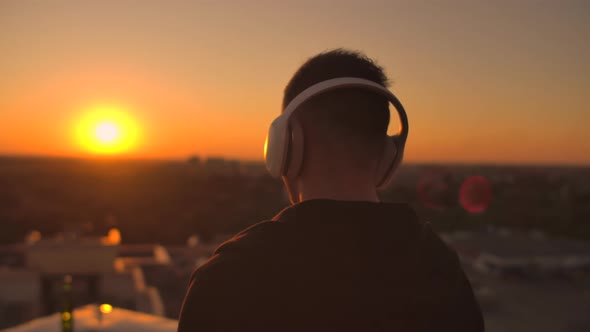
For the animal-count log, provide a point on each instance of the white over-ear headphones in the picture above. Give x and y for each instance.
(276, 147)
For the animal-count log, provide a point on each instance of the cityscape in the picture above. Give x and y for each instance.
(131, 232)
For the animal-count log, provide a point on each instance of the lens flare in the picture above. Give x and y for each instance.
(475, 194)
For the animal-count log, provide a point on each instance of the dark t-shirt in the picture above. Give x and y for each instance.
(326, 265)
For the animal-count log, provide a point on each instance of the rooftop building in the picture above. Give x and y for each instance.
(33, 287)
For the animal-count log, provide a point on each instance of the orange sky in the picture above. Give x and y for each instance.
(480, 83)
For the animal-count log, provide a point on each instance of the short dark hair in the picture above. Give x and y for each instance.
(361, 117)
(333, 64)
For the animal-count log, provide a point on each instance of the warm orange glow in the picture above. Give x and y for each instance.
(114, 237)
(106, 308)
(201, 99)
(107, 130)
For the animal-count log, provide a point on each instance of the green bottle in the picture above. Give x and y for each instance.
(67, 312)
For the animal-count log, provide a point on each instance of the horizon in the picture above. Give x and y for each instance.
(261, 162)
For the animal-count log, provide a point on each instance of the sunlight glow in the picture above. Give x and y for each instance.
(107, 130)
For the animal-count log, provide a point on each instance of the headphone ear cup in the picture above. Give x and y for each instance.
(295, 151)
(386, 165)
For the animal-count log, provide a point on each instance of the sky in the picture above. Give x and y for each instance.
(482, 81)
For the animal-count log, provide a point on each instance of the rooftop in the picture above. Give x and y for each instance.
(87, 318)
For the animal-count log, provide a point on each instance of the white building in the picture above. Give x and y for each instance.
(99, 276)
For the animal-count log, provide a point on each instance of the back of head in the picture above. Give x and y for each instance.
(345, 128)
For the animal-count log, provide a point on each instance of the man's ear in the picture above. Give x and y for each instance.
(296, 148)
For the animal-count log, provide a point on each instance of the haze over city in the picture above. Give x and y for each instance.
(482, 83)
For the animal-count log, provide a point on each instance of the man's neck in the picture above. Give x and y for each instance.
(338, 190)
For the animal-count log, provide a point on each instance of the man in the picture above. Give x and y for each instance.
(338, 259)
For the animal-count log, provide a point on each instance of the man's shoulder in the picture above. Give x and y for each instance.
(254, 238)
(442, 287)
(434, 248)
(245, 248)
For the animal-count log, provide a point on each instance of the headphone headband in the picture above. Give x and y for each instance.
(347, 82)
(276, 145)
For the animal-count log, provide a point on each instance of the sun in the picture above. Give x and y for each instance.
(107, 130)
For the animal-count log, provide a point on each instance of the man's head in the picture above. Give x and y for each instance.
(344, 130)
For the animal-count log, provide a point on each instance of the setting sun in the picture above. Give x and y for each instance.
(107, 130)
